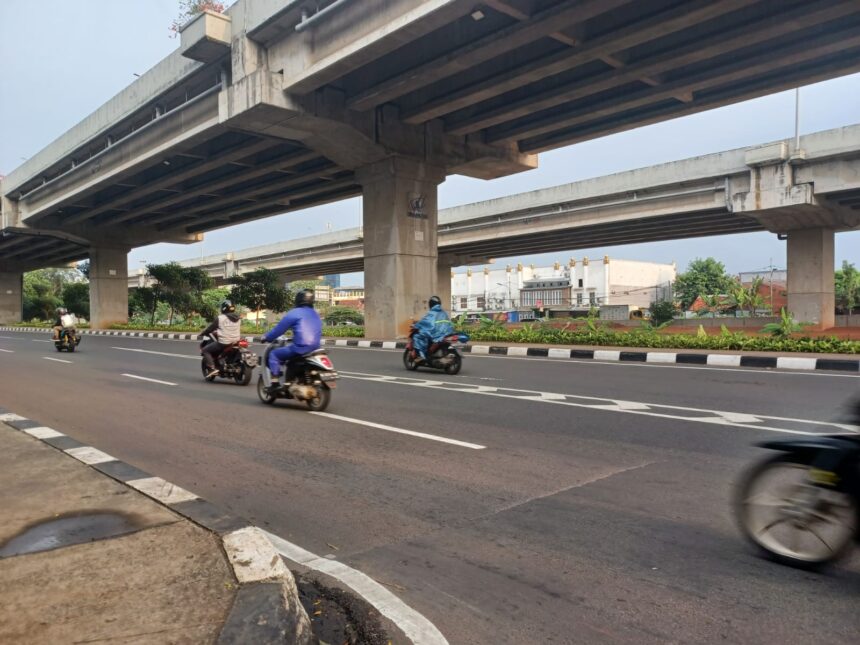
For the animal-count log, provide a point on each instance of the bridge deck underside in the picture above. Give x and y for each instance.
(547, 73)
(28, 251)
(651, 229)
(220, 178)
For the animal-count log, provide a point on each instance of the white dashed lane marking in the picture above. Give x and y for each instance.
(411, 433)
(149, 380)
(56, 360)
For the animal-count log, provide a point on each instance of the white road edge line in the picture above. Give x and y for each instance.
(56, 360)
(151, 380)
(648, 364)
(35, 340)
(7, 351)
(412, 433)
(416, 627)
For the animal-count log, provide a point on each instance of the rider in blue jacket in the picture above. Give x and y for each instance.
(432, 328)
(307, 330)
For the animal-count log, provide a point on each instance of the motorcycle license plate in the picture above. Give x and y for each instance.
(326, 377)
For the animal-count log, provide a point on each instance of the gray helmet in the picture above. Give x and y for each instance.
(305, 298)
(434, 300)
(62, 311)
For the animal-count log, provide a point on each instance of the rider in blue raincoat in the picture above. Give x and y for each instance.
(432, 328)
(307, 330)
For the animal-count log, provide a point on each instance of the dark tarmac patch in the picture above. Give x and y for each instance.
(69, 529)
(338, 617)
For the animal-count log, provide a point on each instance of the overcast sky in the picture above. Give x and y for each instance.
(61, 60)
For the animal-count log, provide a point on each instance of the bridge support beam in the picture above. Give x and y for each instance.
(11, 297)
(400, 221)
(108, 286)
(811, 296)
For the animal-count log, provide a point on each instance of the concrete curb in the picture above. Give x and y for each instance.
(786, 362)
(266, 608)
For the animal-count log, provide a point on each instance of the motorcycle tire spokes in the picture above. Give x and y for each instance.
(791, 518)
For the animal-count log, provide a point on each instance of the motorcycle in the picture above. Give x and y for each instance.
(68, 340)
(442, 355)
(801, 507)
(235, 362)
(309, 379)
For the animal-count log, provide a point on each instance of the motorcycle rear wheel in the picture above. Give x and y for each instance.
(265, 397)
(794, 521)
(408, 362)
(71, 346)
(244, 377)
(454, 366)
(321, 401)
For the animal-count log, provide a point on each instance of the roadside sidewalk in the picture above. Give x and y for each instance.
(93, 549)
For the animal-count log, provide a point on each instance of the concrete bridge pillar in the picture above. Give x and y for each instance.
(443, 283)
(811, 296)
(400, 219)
(108, 286)
(11, 296)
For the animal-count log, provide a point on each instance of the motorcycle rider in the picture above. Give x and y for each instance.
(58, 321)
(432, 328)
(226, 329)
(306, 325)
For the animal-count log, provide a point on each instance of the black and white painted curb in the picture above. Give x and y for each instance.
(680, 358)
(266, 608)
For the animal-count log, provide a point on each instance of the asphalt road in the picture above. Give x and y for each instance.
(595, 511)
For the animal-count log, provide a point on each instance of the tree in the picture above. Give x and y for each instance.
(258, 290)
(76, 298)
(43, 291)
(702, 278)
(189, 9)
(338, 315)
(847, 287)
(181, 288)
(662, 312)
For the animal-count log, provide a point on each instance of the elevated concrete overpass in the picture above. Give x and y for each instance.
(749, 189)
(282, 104)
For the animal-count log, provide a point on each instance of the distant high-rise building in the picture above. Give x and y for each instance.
(332, 280)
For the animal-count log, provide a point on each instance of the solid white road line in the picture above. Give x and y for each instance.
(149, 351)
(7, 351)
(151, 380)
(412, 433)
(717, 417)
(56, 360)
(647, 364)
(416, 627)
(41, 341)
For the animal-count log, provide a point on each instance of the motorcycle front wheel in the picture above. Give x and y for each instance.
(408, 362)
(265, 397)
(790, 518)
(206, 371)
(321, 400)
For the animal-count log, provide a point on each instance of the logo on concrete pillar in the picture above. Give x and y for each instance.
(416, 207)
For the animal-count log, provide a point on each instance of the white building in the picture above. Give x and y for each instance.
(580, 284)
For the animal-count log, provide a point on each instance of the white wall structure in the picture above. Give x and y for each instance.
(578, 284)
